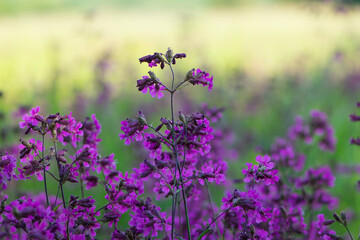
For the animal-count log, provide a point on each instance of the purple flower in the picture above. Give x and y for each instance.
(148, 218)
(262, 172)
(69, 130)
(300, 131)
(249, 172)
(201, 77)
(211, 172)
(318, 122)
(30, 150)
(213, 114)
(321, 177)
(156, 90)
(152, 60)
(153, 144)
(155, 87)
(283, 153)
(91, 130)
(354, 118)
(159, 58)
(328, 141)
(133, 130)
(29, 119)
(7, 170)
(265, 161)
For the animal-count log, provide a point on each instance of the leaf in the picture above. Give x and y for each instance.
(203, 234)
(57, 206)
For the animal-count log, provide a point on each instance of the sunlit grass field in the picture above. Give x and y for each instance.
(270, 63)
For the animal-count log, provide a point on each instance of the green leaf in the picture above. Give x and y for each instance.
(203, 234)
(57, 206)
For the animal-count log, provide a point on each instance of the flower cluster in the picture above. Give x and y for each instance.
(133, 129)
(162, 59)
(183, 156)
(155, 87)
(200, 77)
(262, 172)
(317, 126)
(7, 170)
(64, 129)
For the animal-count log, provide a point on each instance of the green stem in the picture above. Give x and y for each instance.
(214, 220)
(45, 186)
(60, 177)
(347, 229)
(82, 187)
(177, 165)
(211, 205)
(52, 175)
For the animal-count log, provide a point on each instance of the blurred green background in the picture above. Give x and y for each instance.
(271, 61)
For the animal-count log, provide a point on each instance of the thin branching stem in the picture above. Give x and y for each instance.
(45, 186)
(177, 165)
(173, 206)
(215, 219)
(347, 229)
(60, 177)
(211, 205)
(57, 195)
(82, 186)
(50, 173)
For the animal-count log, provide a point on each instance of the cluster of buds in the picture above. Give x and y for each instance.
(159, 58)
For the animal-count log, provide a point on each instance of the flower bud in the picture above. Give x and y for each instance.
(189, 74)
(2, 206)
(161, 57)
(160, 164)
(142, 119)
(26, 144)
(27, 130)
(54, 134)
(343, 217)
(182, 117)
(328, 222)
(337, 218)
(39, 118)
(252, 230)
(85, 202)
(145, 174)
(62, 159)
(178, 55)
(354, 118)
(169, 55)
(283, 211)
(355, 141)
(63, 122)
(149, 214)
(334, 236)
(152, 76)
(158, 128)
(150, 165)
